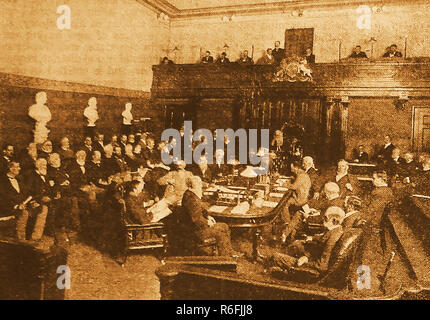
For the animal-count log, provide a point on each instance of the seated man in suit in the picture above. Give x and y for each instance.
(223, 59)
(96, 173)
(394, 165)
(99, 143)
(309, 56)
(392, 52)
(358, 54)
(137, 200)
(66, 153)
(175, 182)
(41, 196)
(267, 58)
(207, 58)
(361, 156)
(245, 59)
(384, 154)
(331, 197)
(88, 145)
(59, 180)
(379, 198)
(14, 195)
(346, 182)
(421, 180)
(200, 224)
(353, 216)
(203, 170)
(220, 168)
(7, 156)
(309, 167)
(322, 244)
(409, 168)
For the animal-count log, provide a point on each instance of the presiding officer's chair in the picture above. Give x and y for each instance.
(142, 236)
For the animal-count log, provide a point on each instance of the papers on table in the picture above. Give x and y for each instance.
(242, 208)
(281, 189)
(276, 195)
(270, 204)
(217, 209)
(159, 210)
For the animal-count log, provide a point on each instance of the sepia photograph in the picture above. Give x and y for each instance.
(194, 151)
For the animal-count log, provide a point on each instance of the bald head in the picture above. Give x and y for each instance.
(331, 190)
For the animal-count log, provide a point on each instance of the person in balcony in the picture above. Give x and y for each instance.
(207, 58)
(392, 52)
(358, 54)
(223, 59)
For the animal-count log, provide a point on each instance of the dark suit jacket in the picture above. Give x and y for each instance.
(135, 212)
(315, 181)
(363, 158)
(331, 177)
(97, 146)
(310, 59)
(3, 165)
(226, 60)
(394, 167)
(396, 54)
(278, 54)
(37, 187)
(246, 61)
(385, 153)
(9, 196)
(352, 220)
(209, 59)
(77, 178)
(378, 200)
(58, 176)
(193, 212)
(359, 55)
(327, 242)
(95, 173)
(207, 176)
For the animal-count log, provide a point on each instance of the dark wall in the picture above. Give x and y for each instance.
(66, 105)
(370, 119)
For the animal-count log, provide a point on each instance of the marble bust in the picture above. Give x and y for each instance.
(42, 115)
(90, 112)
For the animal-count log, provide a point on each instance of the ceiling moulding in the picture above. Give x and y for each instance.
(253, 9)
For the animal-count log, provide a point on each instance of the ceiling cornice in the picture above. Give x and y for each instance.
(264, 8)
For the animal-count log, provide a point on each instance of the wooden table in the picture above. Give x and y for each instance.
(255, 219)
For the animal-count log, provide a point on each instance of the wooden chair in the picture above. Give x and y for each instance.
(340, 260)
(142, 236)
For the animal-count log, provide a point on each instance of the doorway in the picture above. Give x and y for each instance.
(421, 129)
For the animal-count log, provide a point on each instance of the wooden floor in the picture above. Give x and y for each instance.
(97, 276)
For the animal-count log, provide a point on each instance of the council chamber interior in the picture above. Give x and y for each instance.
(336, 93)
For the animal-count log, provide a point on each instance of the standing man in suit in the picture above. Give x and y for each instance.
(207, 58)
(379, 198)
(13, 194)
(278, 52)
(384, 155)
(309, 56)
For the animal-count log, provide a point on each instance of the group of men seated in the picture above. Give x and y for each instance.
(392, 52)
(60, 187)
(277, 54)
(402, 170)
